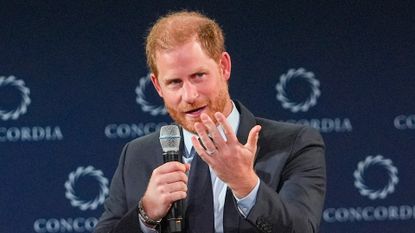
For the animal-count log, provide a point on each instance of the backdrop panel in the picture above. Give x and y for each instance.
(74, 89)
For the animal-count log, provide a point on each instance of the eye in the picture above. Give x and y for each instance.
(174, 82)
(200, 74)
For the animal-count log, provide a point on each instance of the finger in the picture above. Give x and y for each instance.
(170, 167)
(202, 152)
(172, 187)
(175, 196)
(172, 178)
(253, 137)
(214, 133)
(208, 144)
(227, 128)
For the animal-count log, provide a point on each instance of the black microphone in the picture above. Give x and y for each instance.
(170, 143)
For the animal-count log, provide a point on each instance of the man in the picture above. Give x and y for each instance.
(263, 176)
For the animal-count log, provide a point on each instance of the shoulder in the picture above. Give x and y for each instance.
(146, 149)
(151, 139)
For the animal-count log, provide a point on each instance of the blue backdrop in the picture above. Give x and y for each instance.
(74, 90)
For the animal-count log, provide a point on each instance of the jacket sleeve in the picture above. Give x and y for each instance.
(116, 216)
(296, 204)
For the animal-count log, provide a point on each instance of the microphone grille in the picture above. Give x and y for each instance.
(170, 138)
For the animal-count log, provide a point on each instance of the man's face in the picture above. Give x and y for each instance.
(190, 83)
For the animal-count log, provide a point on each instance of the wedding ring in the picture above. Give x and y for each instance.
(211, 152)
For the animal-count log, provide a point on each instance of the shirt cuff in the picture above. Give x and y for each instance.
(146, 229)
(246, 203)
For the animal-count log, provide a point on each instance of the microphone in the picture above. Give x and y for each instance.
(170, 143)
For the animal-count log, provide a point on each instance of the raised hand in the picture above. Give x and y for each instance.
(232, 161)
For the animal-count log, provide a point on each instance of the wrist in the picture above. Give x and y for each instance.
(242, 189)
(145, 219)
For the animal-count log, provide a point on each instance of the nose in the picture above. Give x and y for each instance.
(190, 92)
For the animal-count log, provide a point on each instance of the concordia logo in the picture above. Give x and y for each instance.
(288, 103)
(71, 183)
(287, 87)
(372, 213)
(26, 133)
(141, 98)
(134, 130)
(375, 161)
(19, 85)
(76, 224)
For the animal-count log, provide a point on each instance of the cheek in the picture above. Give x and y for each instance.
(172, 98)
(209, 88)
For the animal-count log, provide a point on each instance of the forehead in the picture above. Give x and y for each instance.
(189, 54)
(191, 46)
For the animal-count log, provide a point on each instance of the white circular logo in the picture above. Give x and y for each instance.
(295, 106)
(24, 93)
(141, 99)
(373, 161)
(73, 178)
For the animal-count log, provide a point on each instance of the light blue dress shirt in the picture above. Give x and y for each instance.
(218, 186)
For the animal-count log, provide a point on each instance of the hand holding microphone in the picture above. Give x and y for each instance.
(168, 182)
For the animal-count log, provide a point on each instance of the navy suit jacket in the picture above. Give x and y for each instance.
(289, 162)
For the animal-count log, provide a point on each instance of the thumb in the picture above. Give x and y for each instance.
(253, 136)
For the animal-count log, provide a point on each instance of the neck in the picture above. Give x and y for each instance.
(228, 108)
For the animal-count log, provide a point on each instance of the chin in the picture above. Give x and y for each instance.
(189, 124)
(188, 127)
(184, 122)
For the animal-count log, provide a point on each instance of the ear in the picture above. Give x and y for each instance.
(225, 65)
(156, 84)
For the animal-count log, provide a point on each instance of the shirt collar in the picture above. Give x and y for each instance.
(233, 120)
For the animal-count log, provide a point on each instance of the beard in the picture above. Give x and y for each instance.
(216, 104)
